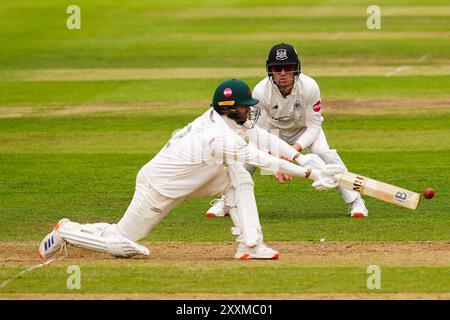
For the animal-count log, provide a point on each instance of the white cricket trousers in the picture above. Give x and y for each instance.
(148, 206)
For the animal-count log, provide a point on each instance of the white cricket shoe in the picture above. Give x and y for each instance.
(218, 209)
(358, 209)
(52, 242)
(260, 251)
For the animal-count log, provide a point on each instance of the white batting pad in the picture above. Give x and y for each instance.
(92, 236)
(246, 215)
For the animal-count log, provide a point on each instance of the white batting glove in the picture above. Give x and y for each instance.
(311, 160)
(328, 178)
(334, 170)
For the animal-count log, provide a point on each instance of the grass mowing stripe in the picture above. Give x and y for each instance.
(110, 20)
(183, 52)
(210, 73)
(134, 133)
(144, 91)
(307, 11)
(164, 120)
(132, 142)
(139, 5)
(357, 107)
(231, 278)
(304, 35)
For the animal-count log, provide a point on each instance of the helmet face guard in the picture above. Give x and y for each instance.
(231, 112)
(271, 68)
(253, 117)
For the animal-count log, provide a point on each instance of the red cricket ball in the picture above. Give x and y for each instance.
(428, 193)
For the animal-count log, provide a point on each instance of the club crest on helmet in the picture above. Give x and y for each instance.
(227, 92)
(281, 54)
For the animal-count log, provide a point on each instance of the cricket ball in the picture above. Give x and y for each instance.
(428, 193)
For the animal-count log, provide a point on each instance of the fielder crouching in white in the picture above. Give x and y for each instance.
(191, 165)
(290, 104)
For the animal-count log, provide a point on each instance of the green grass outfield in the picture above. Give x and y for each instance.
(81, 111)
(232, 279)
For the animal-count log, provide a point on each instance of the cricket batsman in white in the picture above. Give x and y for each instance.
(203, 159)
(291, 106)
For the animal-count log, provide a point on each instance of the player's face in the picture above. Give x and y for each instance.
(283, 76)
(243, 112)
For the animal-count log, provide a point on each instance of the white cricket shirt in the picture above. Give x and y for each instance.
(196, 153)
(301, 108)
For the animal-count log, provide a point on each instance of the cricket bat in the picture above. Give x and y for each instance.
(380, 190)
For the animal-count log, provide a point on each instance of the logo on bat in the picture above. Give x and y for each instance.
(358, 183)
(400, 196)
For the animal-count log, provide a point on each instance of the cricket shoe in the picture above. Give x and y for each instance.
(358, 209)
(218, 209)
(260, 251)
(52, 242)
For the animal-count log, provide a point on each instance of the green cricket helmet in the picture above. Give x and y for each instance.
(232, 93)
